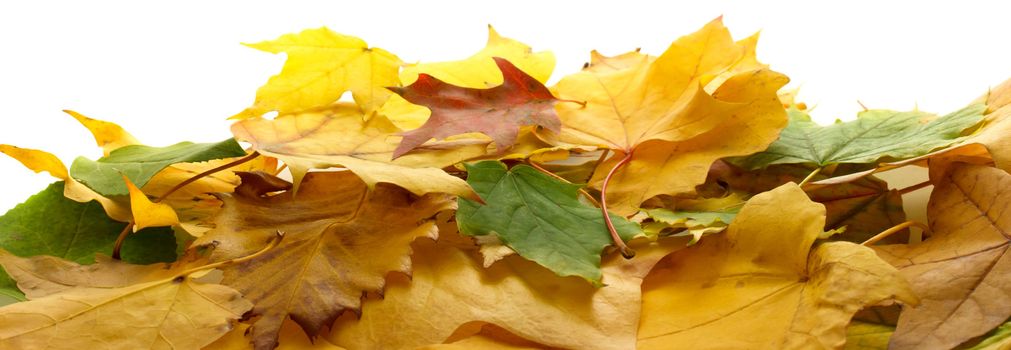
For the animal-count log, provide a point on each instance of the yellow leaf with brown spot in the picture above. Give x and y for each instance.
(341, 239)
(338, 136)
(321, 66)
(449, 289)
(146, 213)
(662, 113)
(761, 285)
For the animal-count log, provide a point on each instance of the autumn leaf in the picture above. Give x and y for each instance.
(547, 224)
(959, 270)
(321, 66)
(341, 240)
(867, 336)
(874, 135)
(140, 163)
(498, 112)
(999, 339)
(996, 125)
(172, 312)
(864, 207)
(764, 268)
(337, 136)
(515, 294)
(147, 213)
(109, 136)
(694, 224)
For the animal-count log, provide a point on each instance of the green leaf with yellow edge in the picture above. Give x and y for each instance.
(688, 223)
(874, 135)
(539, 217)
(321, 66)
(762, 285)
(140, 163)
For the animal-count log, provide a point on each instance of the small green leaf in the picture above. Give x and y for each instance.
(50, 224)
(689, 223)
(140, 163)
(876, 134)
(540, 218)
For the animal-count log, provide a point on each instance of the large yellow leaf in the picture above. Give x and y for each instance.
(477, 72)
(337, 136)
(660, 111)
(43, 275)
(171, 312)
(449, 293)
(321, 66)
(961, 271)
(760, 285)
(341, 240)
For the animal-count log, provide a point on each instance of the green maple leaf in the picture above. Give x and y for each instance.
(50, 224)
(539, 217)
(140, 163)
(874, 135)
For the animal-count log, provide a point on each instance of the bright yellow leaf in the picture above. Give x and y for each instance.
(337, 136)
(107, 135)
(760, 285)
(146, 213)
(321, 66)
(661, 111)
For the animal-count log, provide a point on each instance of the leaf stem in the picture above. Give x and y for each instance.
(809, 177)
(274, 241)
(126, 230)
(626, 252)
(199, 176)
(915, 187)
(892, 230)
(581, 103)
(581, 190)
(120, 239)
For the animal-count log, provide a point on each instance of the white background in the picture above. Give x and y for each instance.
(174, 71)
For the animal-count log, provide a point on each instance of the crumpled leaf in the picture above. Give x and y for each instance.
(515, 294)
(341, 239)
(874, 135)
(146, 213)
(540, 218)
(321, 66)
(961, 271)
(761, 284)
(173, 312)
(337, 136)
(141, 163)
(498, 112)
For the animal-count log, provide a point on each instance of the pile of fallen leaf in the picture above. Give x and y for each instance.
(652, 202)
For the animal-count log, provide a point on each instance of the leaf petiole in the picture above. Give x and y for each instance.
(892, 230)
(626, 252)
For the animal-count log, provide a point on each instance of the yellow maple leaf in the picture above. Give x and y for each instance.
(108, 135)
(659, 114)
(478, 71)
(515, 294)
(760, 285)
(337, 136)
(147, 213)
(172, 312)
(321, 66)
(341, 240)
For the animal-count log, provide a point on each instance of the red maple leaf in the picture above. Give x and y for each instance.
(498, 112)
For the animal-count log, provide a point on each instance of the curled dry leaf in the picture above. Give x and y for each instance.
(961, 271)
(762, 285)
(341, 240)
